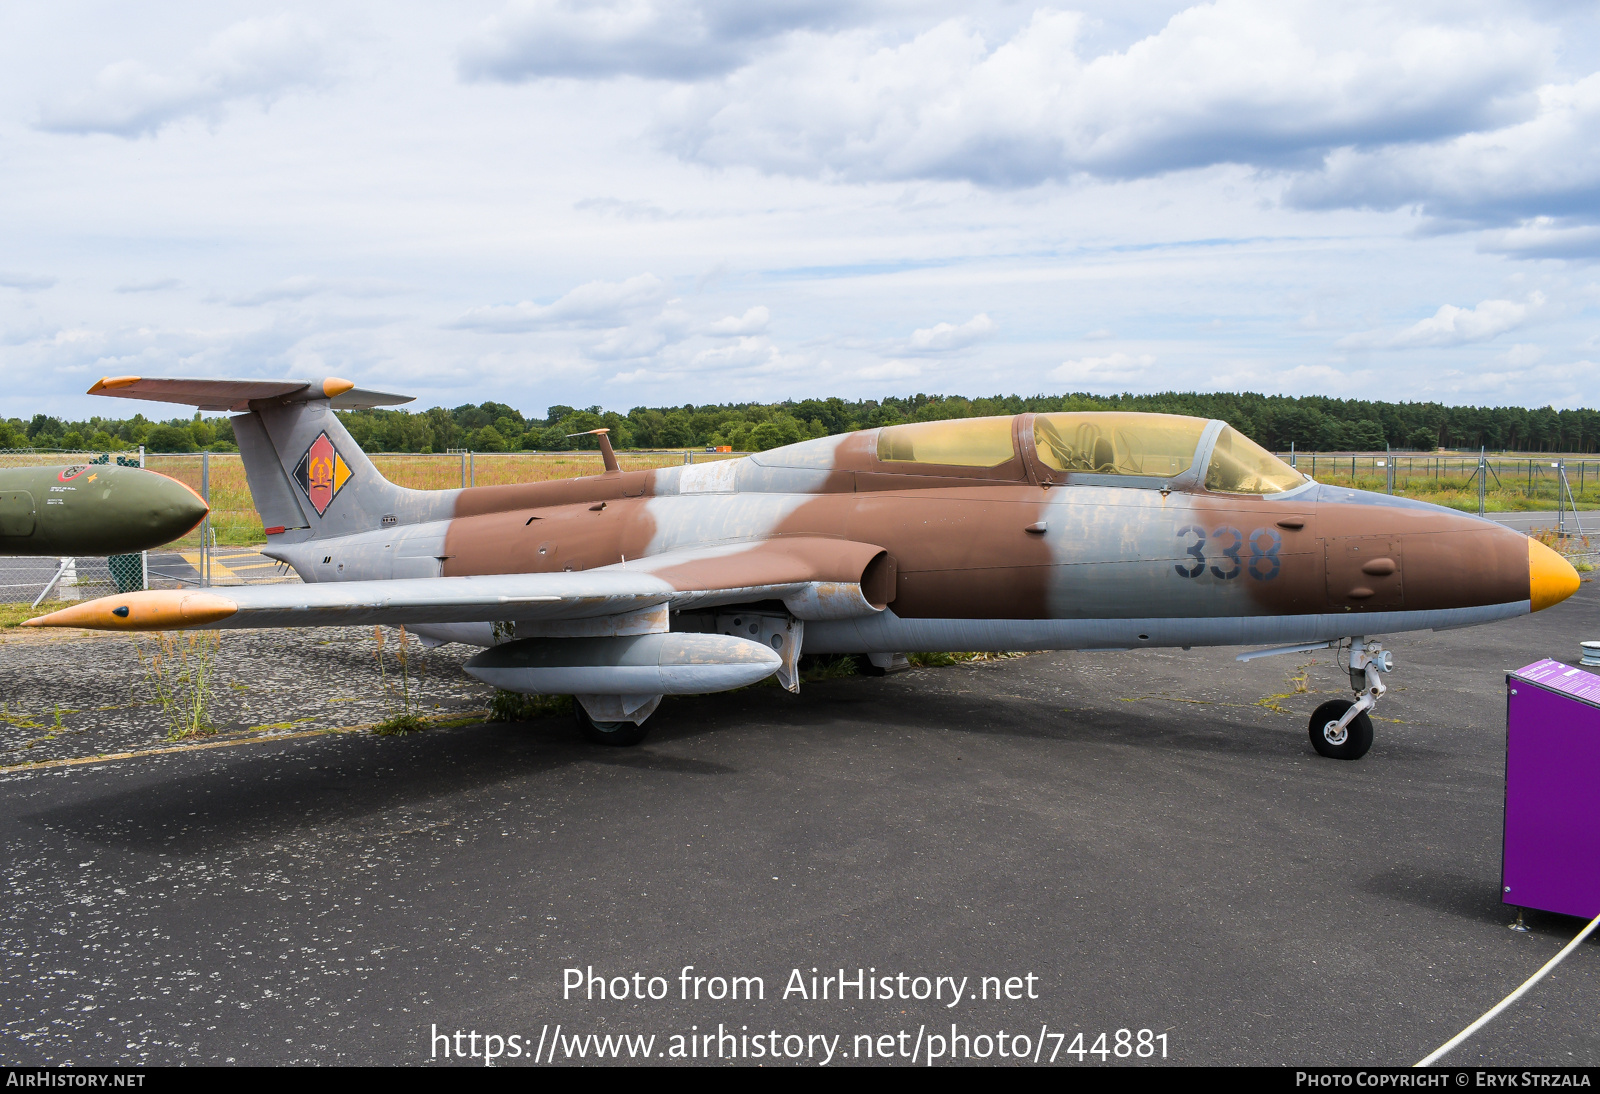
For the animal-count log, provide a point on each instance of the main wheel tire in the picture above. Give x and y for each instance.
(1352, 743)
(615, 734)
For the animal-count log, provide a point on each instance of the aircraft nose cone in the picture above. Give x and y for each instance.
(1551, 578)
(177, 508)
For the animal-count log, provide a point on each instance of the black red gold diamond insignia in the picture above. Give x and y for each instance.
(321, 473)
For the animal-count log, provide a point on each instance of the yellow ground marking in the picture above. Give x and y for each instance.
(440, 721)
(217, 568)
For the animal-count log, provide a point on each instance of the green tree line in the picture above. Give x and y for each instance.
(1310, 422)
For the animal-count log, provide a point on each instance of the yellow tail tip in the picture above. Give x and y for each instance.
(111, 383)
(1551, 578)
(156, 610)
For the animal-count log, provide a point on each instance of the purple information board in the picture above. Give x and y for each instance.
(1552, 830)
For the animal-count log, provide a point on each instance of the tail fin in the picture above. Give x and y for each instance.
(309, 478)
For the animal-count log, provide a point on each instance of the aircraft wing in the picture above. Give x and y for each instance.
(818, 578)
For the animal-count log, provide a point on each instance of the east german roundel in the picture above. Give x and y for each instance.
(321, 473)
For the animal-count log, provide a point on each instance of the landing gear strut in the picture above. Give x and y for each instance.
(1341, 729)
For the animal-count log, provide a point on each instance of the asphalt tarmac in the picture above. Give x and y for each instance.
(1144, 841)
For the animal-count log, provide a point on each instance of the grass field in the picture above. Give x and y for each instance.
(1516, 482)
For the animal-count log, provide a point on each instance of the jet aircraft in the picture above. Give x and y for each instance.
(92, 509)
(1068, 531)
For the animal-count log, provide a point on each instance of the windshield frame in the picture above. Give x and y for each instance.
(1202, 463)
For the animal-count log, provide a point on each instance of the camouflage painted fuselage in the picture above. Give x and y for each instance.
(1017, 556)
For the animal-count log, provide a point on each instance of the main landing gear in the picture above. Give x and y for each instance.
(1341, 729)
(620, 721)
(620, 734)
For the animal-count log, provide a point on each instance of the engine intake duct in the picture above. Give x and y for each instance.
(643, 664)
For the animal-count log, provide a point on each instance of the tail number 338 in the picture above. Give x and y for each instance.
(1227, 546)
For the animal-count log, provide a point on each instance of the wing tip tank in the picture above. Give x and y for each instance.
(156, 610)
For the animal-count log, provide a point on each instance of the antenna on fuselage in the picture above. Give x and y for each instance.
(606, 454)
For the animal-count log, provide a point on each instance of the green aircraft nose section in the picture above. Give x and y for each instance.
(96, 509)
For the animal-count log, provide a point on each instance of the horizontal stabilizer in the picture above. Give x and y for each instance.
(237, 395)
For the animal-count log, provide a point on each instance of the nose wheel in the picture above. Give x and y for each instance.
(1337, 737)
(1341, 729)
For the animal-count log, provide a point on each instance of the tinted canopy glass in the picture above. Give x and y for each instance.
(960, 442)
(1240, 466)
(1116, 443)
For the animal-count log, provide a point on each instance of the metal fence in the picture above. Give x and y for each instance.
(1561, 484)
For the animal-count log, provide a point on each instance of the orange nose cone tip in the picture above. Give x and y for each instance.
(1551, 578)
(334, 386)
(148, 611)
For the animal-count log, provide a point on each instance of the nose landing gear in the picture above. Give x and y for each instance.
(1342, 729)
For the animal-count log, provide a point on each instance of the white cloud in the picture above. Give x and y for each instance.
(643, 338)
(946, 336)
(661, 39)
(1522, 355)
(1113, 372)
(839, 196)
(753, 321)
(646, 376)
(1547, 165)
(259, 59)
(594, 304)
(890, 370)
(1264, 82)
(746, 353)
(1450, 326)
(1544, 237)
(25, 282)
(153, 285)
(303, 287)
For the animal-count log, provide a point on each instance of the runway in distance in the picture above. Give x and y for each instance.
(1066, 531)
(92, 509)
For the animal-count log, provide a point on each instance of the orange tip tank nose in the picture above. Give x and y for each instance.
(156, 610)
(1551, 578)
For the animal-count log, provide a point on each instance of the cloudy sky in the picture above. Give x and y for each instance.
(660, 201)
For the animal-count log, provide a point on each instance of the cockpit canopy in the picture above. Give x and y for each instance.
(956, 442)
(1120, 443)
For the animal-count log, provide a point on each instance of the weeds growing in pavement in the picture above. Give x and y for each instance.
(513, 706)
(408, 718)
(939, 660)
(178, 669)
(1575, 549)
(815, 668)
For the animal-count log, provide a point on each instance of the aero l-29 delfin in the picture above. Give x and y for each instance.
(1080, 531)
